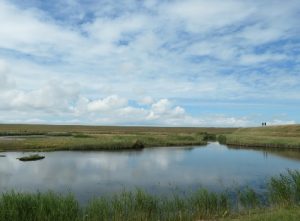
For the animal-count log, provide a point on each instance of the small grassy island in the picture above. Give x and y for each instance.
(33, 157)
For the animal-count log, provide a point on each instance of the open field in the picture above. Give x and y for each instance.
(272, 136)
(50, 138)
(279, 202)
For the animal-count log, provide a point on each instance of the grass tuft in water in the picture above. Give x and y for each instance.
(284, 190)
(249, 199)
(222, 139)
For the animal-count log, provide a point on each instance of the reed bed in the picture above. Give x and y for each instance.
(75, 137)
(79, 141)
(282, 194)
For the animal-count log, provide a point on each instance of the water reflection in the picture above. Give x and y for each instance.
(286, 153)
(158, 170)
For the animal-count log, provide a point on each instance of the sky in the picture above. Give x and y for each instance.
(155, 62)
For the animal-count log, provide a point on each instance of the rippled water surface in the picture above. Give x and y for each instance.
(157, 170)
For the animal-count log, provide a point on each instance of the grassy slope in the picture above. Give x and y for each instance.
(48, 137)
(272, 136)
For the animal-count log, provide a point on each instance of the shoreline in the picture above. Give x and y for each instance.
(262, 146)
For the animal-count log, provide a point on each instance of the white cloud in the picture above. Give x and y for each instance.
(249, 59)
(147, 100)
(52, 96)
(29, 31)
(199, 16)
(162, 106)
(106, 104)
(163, 110)
(110, 31)
(281, 122)
(266, 34)
(132, 113)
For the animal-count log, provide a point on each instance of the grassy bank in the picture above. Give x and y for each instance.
(281, 198)
(99, 142)
(268, 137)
(50, 138)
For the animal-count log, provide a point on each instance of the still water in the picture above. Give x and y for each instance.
(157, 170)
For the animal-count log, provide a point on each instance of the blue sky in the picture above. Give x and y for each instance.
(174, 63)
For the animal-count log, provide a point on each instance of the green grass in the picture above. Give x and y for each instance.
(273, 214)
(99, 142)
(70, 137)
(38, 207)
(65, 137)
(281, 201)
(29, 129)
(267, 137)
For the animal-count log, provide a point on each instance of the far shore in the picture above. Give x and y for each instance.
(67, 137)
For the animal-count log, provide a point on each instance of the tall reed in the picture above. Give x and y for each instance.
(40, 206)
(282, 190)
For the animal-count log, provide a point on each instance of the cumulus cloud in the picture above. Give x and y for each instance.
(115, 109)
(106, 104)
(164, 110)
(147, 100)
(52, 96)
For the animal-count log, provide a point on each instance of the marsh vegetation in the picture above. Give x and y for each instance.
(270, 137)
(283, 194)
(51, 138)
(279, 199)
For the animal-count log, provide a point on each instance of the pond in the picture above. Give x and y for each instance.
(157, 170)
